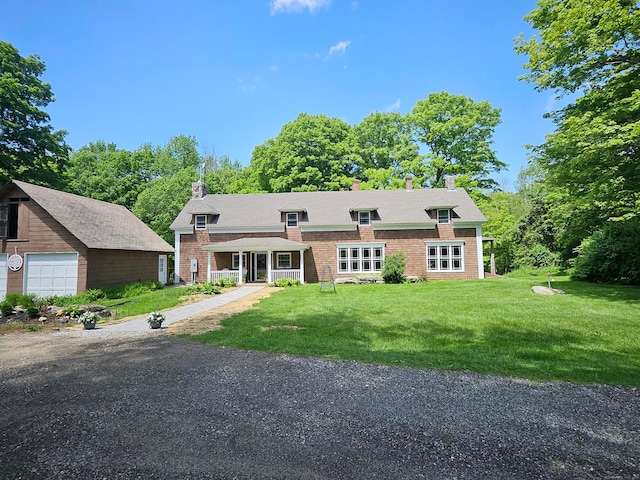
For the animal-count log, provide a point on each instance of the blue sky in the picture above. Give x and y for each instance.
(233, 72)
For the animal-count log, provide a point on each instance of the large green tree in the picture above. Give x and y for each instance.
(591, 50)
(30, 149)
(456, 133)
(310, 153)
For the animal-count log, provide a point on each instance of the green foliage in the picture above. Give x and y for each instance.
(34, 328)
(536, 256)
(226, 282)
(29, 147)
(286, 282)
(6, 308)
(131, 290)
(73, 311)
(611, 255)
(33, 311)
(24, 300)
(204, 288)
(93, 295)
(88, 317)
(393, 268)
(457, 133)
(589, 48)
(310, 153)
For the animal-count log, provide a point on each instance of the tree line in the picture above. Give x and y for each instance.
(575, 205)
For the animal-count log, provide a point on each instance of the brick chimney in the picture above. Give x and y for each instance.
(198, 190)
(355, 185)
(450, 183)
(409, 182)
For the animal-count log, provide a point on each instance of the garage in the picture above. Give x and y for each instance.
(48, 274)
(3, 275)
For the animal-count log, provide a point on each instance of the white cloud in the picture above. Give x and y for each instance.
(296, 6)
(248, 85)
(394, 106)
(274, 68)
(339, 47)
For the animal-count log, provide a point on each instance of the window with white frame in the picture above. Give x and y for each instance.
(201, 222)
(360, 258)
(292, 219)
(445, 257)
(283, 260)
(443, 215)
(364, 218)
(235, 261)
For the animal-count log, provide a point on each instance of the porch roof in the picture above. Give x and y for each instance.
(249, 244)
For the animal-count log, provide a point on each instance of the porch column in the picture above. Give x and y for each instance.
(240, 267)
(302, 266)
(492, 260)
(269, 260)
(176, 262)
(209, 266)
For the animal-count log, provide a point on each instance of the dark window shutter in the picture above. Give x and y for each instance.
(4, 219)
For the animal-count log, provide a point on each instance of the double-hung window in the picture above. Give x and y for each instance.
(283, 260)
(201, 222)
(443, 215)
(364, 218)
(292, 219)
(360, 258)
(445, 257)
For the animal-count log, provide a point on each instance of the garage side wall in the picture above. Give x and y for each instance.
(38, 232)
(116, 267)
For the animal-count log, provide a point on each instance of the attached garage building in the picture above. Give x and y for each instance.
(56, 243)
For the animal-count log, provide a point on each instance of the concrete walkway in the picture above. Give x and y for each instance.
(139, 326)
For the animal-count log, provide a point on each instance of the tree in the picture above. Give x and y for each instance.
(226, 176)
(591, 49)
(457, 134)
(30, 149)
(310, 153)
(163, 199)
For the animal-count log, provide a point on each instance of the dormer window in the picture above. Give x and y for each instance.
(292, 219)
(443, 215)
(201, 222)
(364, 218)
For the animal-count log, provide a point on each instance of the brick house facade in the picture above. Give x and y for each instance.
(263, 237)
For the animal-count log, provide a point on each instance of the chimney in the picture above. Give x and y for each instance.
(450, 183)
(198, 190)
(355, 185)
(409, 182)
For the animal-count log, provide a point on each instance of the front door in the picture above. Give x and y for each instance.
(162, 269)
(260, 270)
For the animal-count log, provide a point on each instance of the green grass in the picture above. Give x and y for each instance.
(146, 302)
(495, 326)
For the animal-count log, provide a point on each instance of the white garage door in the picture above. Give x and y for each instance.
(3, 275)
(49, 274)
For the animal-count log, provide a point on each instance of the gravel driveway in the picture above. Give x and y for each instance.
(160, 407)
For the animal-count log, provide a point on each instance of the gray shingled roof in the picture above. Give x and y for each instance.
(95, 223)
(329, 208)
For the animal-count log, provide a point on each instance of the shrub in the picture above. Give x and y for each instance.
(286, 282)
(611, 255)
(393, 268)
(73, 311)
(23, 300)
(6, 308)
(32, 311)
(226, 282)
(204, 288)
(538, 256)
(93, 295)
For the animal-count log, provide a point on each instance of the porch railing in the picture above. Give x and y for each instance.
(226, 274)
(290, 274)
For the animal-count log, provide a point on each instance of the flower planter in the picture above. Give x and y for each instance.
(89, 326)
(155, 324)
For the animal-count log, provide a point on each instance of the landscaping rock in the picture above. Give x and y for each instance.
(99, 309)
(370, 279)
(540, 290)
(345, 280)
(413, 279)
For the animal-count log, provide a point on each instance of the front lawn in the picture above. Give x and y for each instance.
(494, 326)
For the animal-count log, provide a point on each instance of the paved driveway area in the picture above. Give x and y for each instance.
(160, 407)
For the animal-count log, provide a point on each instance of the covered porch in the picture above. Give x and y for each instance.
(256, 260)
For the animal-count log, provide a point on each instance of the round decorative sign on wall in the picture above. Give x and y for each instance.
(15, 262)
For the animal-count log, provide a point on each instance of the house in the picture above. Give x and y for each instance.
(56, 243)
(265, 237)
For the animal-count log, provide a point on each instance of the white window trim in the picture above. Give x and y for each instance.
(204, 224)
(292, 217)
(360, 259)
(444, 210)
(280, 255)
(367, 218)
(235, 261)
(438, 245)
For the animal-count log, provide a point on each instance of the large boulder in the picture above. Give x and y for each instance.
(540, 290)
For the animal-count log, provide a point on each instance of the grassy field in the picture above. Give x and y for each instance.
(495, 326)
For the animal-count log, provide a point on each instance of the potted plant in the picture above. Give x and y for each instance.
(155, 319)
(88, 320)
